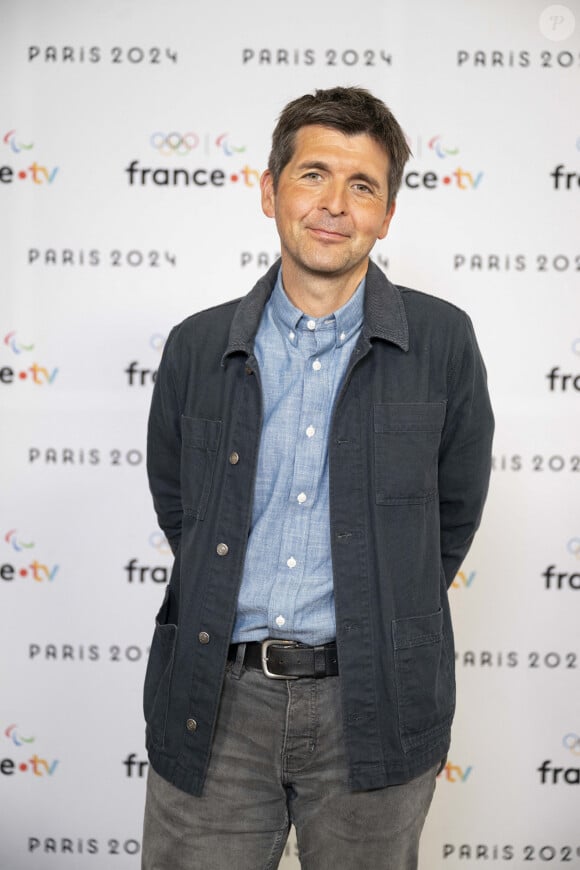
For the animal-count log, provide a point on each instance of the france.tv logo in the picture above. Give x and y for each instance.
(461, 178)
(25, 564)
(34, 373)
(34, 764)
(35, 172)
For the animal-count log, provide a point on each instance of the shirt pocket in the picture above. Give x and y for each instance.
(424, 678)
(406, 447)
(199, 444)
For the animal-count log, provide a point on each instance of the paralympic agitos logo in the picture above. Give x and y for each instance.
(441, 149)
(184, 145)
(24, 171)
(24, 562)
(32, 372)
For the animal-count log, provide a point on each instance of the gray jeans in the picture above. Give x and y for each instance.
(278, 759)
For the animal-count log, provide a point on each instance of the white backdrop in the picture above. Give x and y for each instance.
(104, 247)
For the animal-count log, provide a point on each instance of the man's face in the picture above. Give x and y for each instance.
(331, 202)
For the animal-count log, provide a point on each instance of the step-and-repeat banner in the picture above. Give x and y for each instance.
(133, 134)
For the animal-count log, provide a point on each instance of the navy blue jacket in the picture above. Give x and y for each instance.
(409, 463)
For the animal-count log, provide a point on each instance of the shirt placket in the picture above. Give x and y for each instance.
(317, 342)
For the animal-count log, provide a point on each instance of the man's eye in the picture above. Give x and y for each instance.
(363, 187)
(313, 175)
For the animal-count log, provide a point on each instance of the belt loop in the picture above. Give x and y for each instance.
(239, 662)
(319, 662)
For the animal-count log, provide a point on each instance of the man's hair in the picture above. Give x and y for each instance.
(350, 110)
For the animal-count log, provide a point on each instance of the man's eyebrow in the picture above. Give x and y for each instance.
(358, 176)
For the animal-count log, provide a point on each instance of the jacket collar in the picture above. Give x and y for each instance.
(384, 312)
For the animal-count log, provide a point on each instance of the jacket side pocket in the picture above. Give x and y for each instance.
(424, 679)
(158, 675)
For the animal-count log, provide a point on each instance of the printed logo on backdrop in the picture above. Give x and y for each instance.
(495, 61)
(562, 381)
(258, 259)
(21, 562)
(560, 772)
(562, 660)
(139, 573)
(268, 57)
(82, 846)
(528, 852)
(18, 147)
(536, 463)
(81, 654)
(74, 55)
(133, 258)
(85, 457)
(135, 768)
(455, 773)
(555, 580)
(141, 375)
(544, 264)
(193, 146)
(22, 759)
(556, 23)
(464, 579)
(564, 179)
(29, 372)
(445, 169)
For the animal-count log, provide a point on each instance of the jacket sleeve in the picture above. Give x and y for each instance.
(465, 453)
(164, 448)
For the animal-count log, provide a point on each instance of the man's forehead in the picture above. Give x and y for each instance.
(317, 141)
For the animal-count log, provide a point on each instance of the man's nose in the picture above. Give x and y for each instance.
(334, 198)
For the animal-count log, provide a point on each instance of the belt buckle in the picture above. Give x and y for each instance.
(266, 644)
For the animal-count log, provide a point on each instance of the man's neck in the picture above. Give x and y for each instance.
(316, 294)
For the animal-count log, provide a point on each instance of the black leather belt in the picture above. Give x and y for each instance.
(288, 659)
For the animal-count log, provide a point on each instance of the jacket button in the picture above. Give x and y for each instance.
(191, 725)
(234, 458)
(222, 549)
(203, 637)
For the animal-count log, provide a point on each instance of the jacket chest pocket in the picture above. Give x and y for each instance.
(199, 444)
(406, 448)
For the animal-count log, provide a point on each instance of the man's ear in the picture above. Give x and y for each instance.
(267, 190)
(387, 220)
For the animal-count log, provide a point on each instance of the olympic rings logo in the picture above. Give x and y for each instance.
(184, 143)
(574, 547)
(160, 543)
(572, 742)
(174, 143)
(157, 341)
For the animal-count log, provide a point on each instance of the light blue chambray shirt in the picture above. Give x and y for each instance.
(287, 584)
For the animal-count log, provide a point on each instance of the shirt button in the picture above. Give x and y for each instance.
(316, 365)
(310, 431)
(234, 458)
(291, 562)
(203, 637)
(222, 549)
(311, 324)
(280, 621)
(291, 336)
(301, 498)
(191, 725)
(342, 336)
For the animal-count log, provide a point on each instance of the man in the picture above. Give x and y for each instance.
(319, 456)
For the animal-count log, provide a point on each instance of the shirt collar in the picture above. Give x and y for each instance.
(384, 312)
(291, 320)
